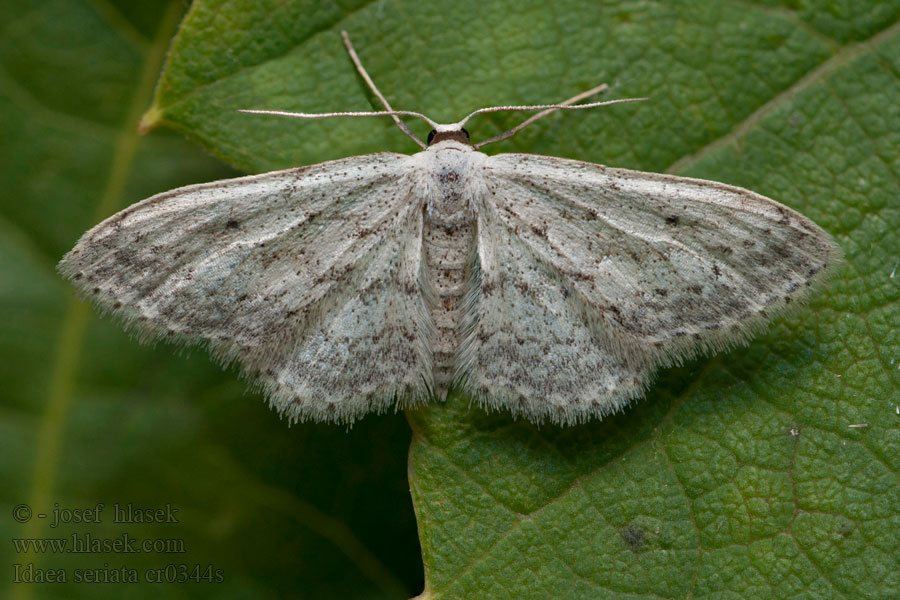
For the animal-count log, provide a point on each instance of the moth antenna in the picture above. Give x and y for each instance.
(545, 109)
(511, 132)
(362, 71)
(374, 113)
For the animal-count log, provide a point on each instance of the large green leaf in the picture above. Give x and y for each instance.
(736, 477)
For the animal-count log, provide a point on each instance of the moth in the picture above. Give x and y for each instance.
(548, 287)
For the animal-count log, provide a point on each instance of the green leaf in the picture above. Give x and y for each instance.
(736, 477)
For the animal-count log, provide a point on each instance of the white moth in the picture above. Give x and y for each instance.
(548, 287)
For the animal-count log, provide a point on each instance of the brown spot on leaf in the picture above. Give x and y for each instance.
(634, 537)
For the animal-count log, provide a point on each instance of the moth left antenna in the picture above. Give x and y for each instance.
(389, 112)
(362, 71)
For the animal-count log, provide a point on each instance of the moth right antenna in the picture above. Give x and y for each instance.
(545, 109)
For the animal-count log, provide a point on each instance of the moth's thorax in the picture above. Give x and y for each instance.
(450, 173)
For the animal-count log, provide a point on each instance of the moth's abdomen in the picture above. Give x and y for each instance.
(448, 248)
(449, 239)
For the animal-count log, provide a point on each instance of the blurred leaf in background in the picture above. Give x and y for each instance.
(737, 476)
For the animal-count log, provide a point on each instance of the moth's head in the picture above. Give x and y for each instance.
(442, 133)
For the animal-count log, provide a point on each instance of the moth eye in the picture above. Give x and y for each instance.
(448, 135)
